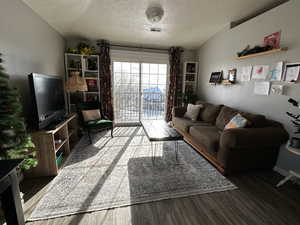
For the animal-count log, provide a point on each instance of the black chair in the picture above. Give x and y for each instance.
(93, 125)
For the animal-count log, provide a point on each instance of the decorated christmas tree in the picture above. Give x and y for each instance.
(15, 143)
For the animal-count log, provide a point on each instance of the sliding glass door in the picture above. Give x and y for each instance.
(126, 92)
(153, 91)
(139, 91)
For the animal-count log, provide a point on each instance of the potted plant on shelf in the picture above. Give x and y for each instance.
(85, 49)
(15, 143)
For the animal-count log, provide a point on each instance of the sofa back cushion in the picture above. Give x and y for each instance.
(256, 120)
(209, 112)
(225, 116)
(227, 113)
(192, 111)
(273, 123)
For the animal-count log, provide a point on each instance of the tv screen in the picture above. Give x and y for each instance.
(48, 99)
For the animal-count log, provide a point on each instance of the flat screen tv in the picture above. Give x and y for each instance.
(48, 100)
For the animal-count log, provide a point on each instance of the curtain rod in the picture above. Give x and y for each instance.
(136, 47)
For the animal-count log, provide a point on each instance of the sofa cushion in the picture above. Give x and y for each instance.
(225, 116)
(192, 111)
(185, 124)
(238, 121)
(208, 137)
(209, 112)
(255, 120)
(92, 114)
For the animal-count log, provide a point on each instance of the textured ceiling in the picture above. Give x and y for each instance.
(186, 23)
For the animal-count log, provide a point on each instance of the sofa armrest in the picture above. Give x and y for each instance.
(178, 111)
(252, 137)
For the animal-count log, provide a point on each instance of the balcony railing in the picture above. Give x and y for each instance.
(127, 106)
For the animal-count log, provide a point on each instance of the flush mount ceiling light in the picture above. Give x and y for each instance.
(154, 14)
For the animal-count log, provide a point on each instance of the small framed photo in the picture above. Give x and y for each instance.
(291, 72)
(232, 76)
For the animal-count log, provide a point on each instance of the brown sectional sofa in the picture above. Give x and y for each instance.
(253, 147)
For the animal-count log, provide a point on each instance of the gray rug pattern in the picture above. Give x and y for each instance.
(119, 172)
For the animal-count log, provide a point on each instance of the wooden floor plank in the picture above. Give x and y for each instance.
(256, 202)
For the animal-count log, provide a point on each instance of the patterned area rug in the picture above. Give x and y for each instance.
(120, 172)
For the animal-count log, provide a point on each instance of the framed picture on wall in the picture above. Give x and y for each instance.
(291, 72)
(260, 72)
(215, 77)
(232, 76)
(275, 73)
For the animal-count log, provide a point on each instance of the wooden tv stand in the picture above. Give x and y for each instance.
(51, 153)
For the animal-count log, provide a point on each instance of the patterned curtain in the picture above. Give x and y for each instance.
(174, 58)
(105, 79)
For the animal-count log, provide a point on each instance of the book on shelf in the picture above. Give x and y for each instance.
(91, 64)
(92, 98)
(189, 88)
(191, 68)
(92, 85)
(190, 77)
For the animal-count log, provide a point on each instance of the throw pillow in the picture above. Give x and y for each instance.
(93, 114)
(238, 121)
(192, 111)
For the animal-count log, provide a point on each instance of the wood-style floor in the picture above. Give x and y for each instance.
(256, 202)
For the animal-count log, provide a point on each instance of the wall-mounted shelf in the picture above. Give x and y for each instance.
(263, 53)
(226, 82)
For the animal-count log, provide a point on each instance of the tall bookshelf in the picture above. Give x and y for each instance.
(190, 73)
(88, 67)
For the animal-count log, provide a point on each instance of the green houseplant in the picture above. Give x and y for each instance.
(15, 143)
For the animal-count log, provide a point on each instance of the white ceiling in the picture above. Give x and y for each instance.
(186, 23)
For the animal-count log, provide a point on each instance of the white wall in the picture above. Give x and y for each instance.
(219, 53)
(28, 44)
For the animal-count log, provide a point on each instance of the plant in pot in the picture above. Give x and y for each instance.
(295, 141)
(85, 49)
(15, 143)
